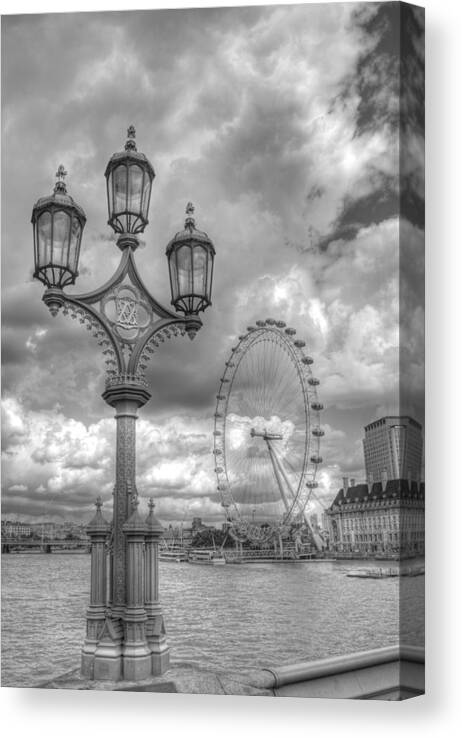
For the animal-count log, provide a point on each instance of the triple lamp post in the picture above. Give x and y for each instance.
(125, 634)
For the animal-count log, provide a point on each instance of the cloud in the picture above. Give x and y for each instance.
(279, 122)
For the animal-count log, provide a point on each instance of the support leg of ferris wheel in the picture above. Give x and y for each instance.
(277, 472)
(277, 463)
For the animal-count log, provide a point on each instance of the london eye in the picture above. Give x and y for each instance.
(267, 433)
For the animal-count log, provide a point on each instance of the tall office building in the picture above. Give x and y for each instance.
(393, 449)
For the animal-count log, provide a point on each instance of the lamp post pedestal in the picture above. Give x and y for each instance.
(155, 629)
(136, 653)
(97, 531)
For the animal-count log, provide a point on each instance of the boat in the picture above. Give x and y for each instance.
(176, 556)
(374, 573)
(206, 556)
(383, 572)
(174, 552)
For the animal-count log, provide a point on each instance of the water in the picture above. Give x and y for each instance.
(227, 617)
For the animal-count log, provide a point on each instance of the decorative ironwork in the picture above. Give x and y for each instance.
(130, 144)
(60, 185)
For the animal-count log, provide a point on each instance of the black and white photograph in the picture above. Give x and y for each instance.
(213, 367)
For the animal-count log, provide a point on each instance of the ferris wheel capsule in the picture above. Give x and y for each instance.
(290, 331)
(313, 381)
(299, 344)
(260, 323)
(307, 360)
(280, 324)
(317, 406)
(270, 321)
(318, 432)
(312, 484)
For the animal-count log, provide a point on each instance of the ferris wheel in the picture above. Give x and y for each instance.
(267, 433)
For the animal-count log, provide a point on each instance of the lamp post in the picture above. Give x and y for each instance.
(125, 633)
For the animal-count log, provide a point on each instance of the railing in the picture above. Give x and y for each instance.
(391, 673)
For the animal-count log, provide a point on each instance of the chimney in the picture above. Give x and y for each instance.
(384, 480)
(345, 485)
(352, 482)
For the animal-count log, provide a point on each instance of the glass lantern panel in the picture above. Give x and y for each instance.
(199, 271)
(209, 274)
(61, 234)
(173, 270)
(120, 189)
(184, 265)
(44, 239)
(74, 245)
(146, 194)
(135, 184)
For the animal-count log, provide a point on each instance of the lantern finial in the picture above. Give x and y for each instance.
(190, 222)
(130, 144)
(60, 185)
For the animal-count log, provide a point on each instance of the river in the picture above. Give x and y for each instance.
(228, 617)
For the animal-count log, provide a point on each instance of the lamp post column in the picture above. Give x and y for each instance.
(126, 397)
(125, 393)
(155, 629)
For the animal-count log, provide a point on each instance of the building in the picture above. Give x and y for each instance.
(393, 449)
(380, 518)
(15, 529)
(385, 515)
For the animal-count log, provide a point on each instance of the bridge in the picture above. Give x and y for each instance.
(18, 545)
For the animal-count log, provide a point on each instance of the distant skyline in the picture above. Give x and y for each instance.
(280, 124)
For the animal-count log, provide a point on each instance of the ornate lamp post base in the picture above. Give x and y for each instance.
(125, 640)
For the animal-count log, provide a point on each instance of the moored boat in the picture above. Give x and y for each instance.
(206, 556)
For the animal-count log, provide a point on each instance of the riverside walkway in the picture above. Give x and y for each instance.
(391, 673)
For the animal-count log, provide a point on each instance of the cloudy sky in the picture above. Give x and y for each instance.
(281, 124)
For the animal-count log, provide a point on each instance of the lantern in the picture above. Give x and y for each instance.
(129, 177)
(190, 257)
(58, 224)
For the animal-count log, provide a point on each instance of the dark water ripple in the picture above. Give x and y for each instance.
(232, 617)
